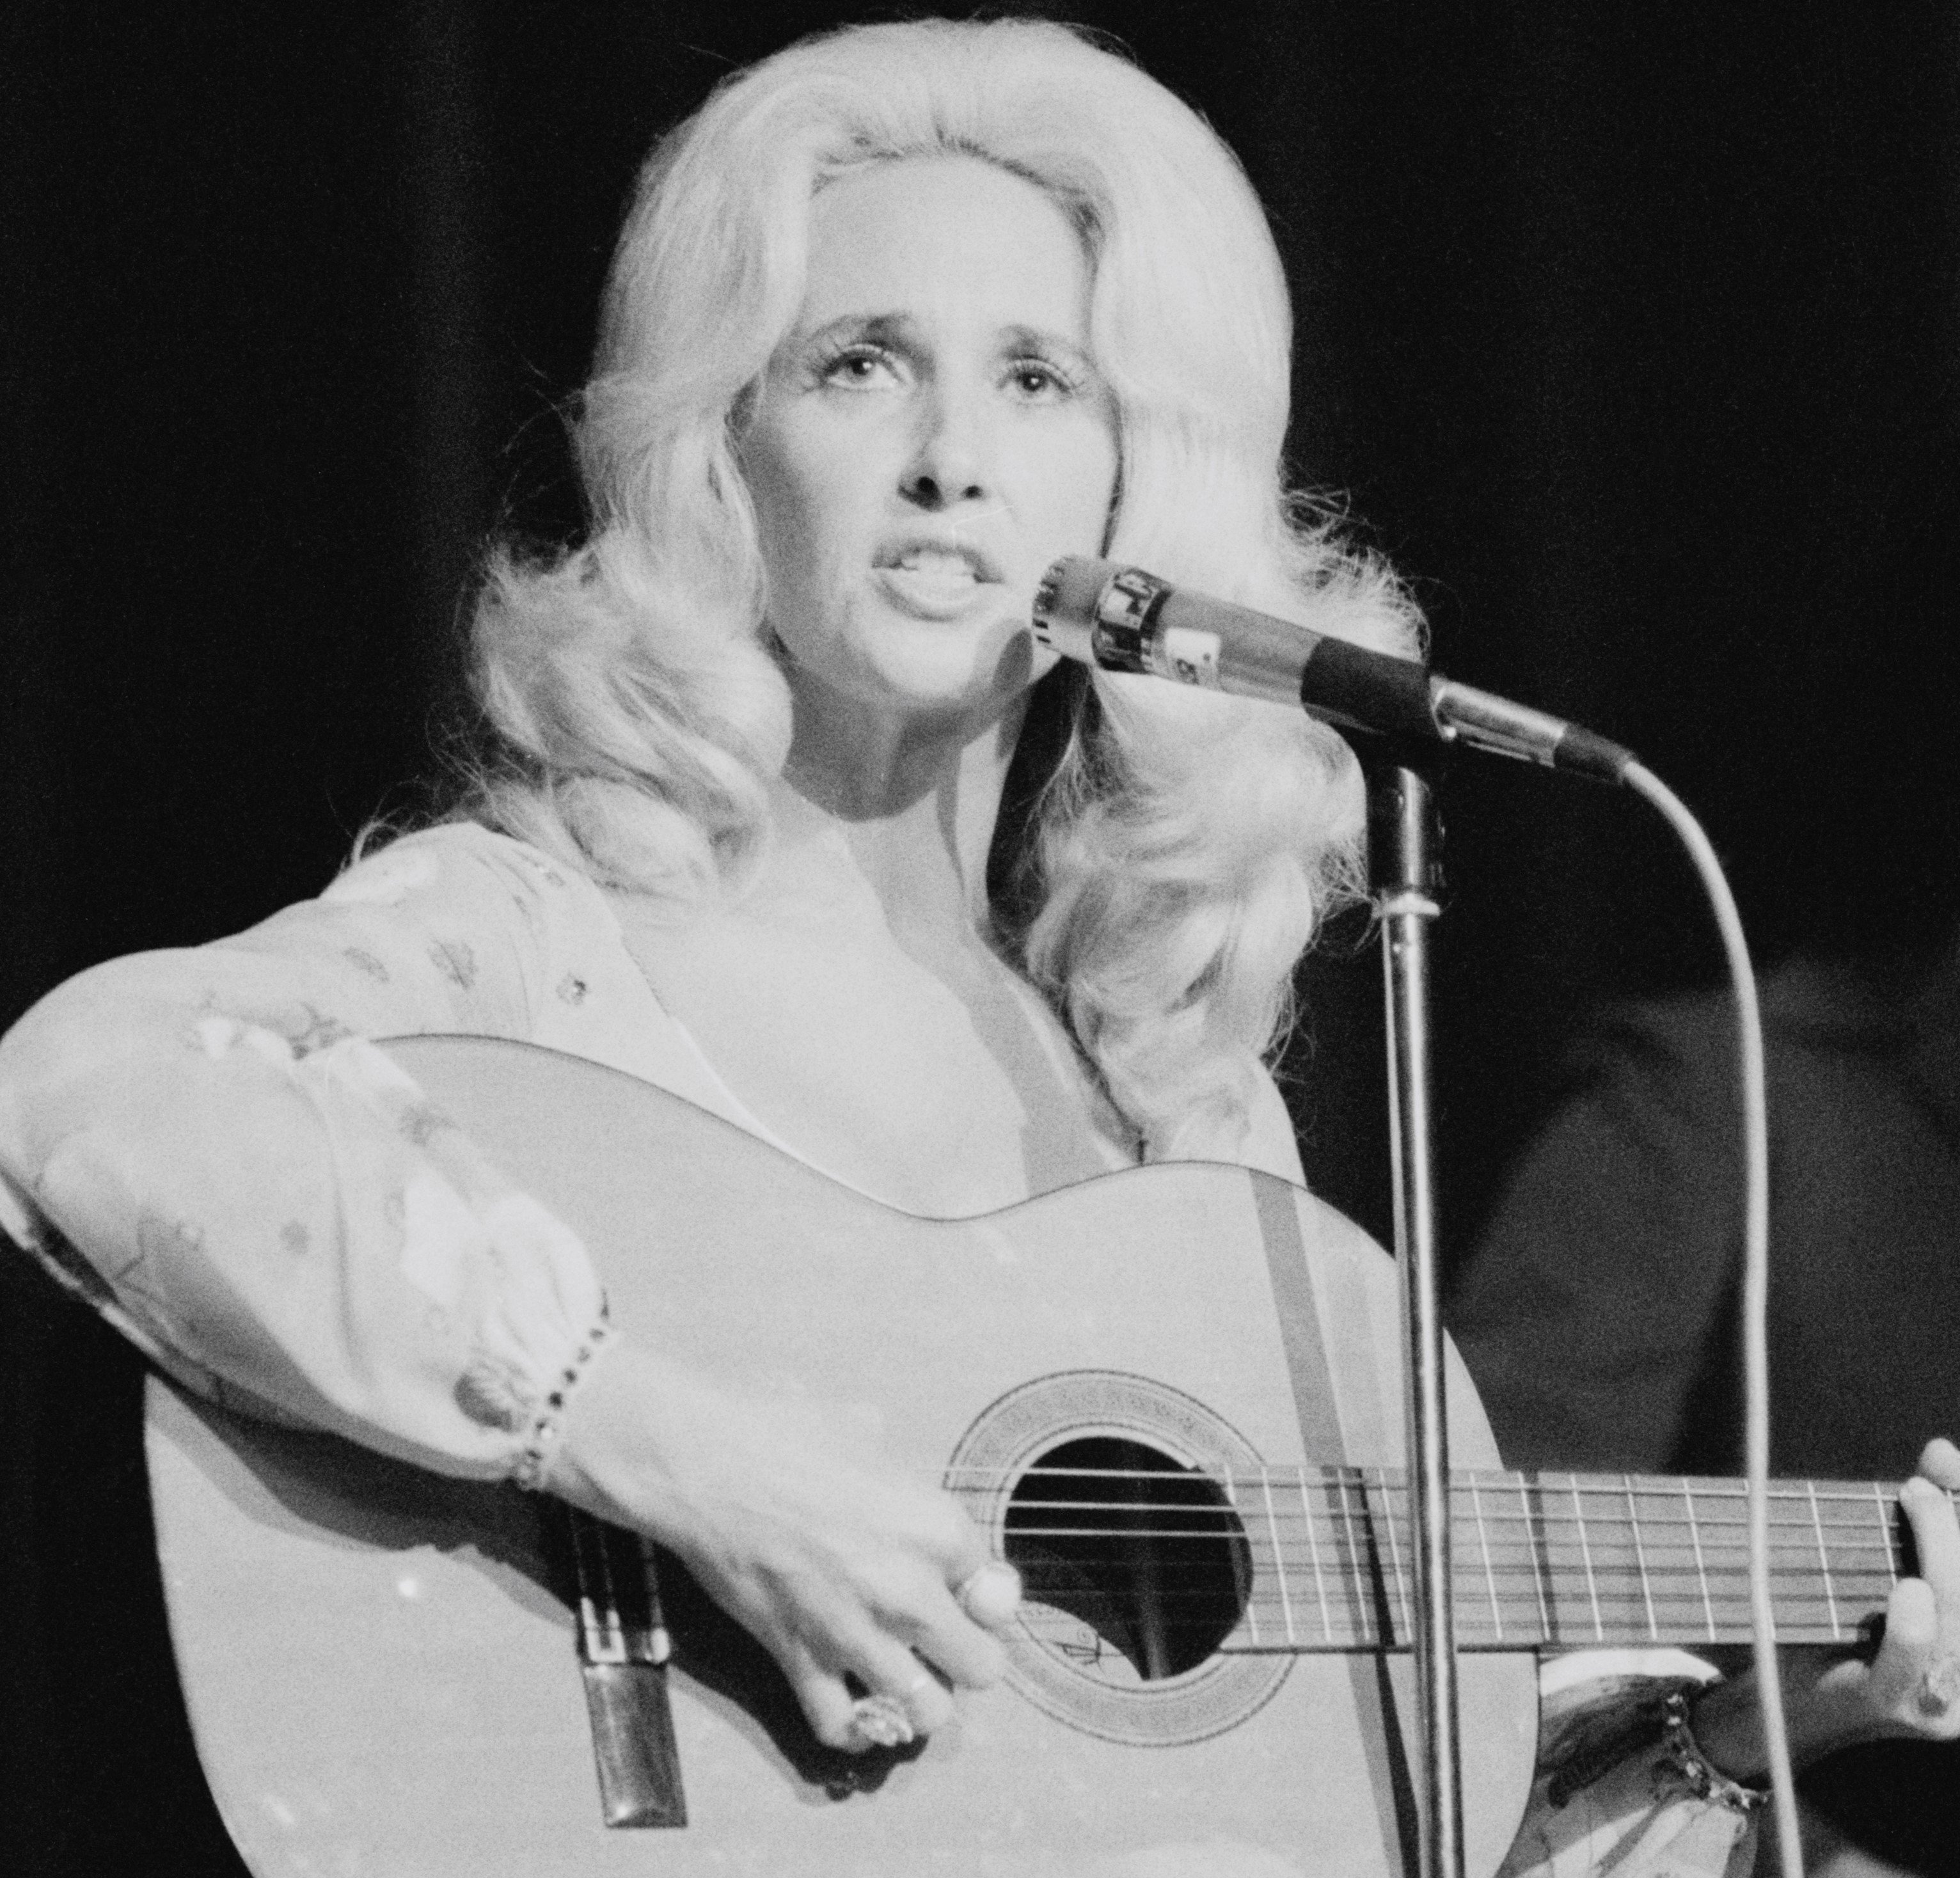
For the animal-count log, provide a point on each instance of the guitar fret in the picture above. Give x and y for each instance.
(1313, 1553)
(1534, 1561)
(1586, 1557)
(1360, 1558)
(1640, 1556)
(1279, 1560)
(1484, 1546)
(1824, 1560)
(1273, 1525)
(1403, 1615)
(1700, 1566)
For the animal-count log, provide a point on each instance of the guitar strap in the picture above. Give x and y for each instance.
(1331, 1431)
(1348, 1425)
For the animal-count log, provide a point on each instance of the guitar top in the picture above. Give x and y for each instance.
(1138, 1387)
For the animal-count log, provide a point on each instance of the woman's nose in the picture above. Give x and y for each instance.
(949, 461)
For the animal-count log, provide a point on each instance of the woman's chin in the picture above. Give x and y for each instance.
(931, 671)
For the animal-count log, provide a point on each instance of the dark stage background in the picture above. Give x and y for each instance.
(1632, 334)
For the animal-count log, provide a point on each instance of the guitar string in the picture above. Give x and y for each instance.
(1714, 1585)
(1299, 1564)
(1532, 1533)
(1628, 1586)
(1605, 1487)
(1353, 1615)
(1223, 1521)
(1804, 1505)
(1545, 1524)
(1299, 1557)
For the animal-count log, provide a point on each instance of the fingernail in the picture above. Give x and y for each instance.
(991, 1593)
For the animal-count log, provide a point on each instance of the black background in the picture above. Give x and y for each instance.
(1631, 334)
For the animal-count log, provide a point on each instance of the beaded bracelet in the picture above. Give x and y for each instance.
(547, 1428)
(1683, 1753)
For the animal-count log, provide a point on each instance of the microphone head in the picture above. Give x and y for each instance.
(1066, 605)
(1100, 613)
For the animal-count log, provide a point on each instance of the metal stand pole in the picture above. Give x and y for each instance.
(1403, 840)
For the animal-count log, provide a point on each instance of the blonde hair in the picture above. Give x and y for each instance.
(1188, 843)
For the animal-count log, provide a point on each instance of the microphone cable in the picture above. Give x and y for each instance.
(1644, 782)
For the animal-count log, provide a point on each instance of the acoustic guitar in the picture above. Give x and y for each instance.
(1170, 1396)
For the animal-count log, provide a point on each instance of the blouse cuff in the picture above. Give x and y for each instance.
(546, 1434)
(514, 1279)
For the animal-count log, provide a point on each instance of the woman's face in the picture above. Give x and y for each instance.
(929, 436)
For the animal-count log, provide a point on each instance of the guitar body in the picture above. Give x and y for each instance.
(381, 1667)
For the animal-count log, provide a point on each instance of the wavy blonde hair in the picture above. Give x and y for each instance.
(1188, 844)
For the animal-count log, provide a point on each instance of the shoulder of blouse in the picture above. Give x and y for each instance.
(485, 920)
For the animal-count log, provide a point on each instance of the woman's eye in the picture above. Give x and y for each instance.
(861, 365)
(1032, 378)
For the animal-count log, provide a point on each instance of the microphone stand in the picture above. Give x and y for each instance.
(1403, 838)
(1121, 619)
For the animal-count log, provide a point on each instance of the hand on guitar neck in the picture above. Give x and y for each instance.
(839, 1567)
(1910, 1687)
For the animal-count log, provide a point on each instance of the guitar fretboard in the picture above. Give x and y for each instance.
(1538, 1559)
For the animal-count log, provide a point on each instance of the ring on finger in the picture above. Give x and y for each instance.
(1939, 1687)
(880, 1721)
(885, 1721)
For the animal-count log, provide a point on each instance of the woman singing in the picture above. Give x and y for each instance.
(901, 316)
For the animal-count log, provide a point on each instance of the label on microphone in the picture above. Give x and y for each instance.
(1187, 654)
(1126, 611)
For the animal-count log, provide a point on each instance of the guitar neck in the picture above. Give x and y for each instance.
(1557, 1560)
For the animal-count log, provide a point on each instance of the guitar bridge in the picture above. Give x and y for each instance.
(623, 1649)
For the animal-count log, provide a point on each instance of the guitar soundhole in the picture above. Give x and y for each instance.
(1104, 1489)
(1147, 1553)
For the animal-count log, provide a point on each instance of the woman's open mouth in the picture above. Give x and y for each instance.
(935, 582)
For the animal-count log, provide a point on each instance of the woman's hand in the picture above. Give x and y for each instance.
(857, 1583)
(1910, 1687)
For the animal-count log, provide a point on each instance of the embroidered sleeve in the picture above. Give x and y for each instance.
(1615, 1791)
(206, 1144)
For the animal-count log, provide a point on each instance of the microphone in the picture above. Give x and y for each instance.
(1126, 620)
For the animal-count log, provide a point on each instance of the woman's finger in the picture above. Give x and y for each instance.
(1936, 1532)
(1940, 1464)
(829, 1705)
(940, 1529)
(1912, 1634)
(866, 1689)
(955, 1646)
(898, 1683)
(1935, 1537)
(991, 1595)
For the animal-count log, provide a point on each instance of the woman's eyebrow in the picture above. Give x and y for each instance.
(1044, 340)
(883, 328)
(901, 330)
